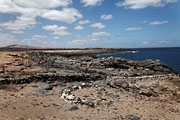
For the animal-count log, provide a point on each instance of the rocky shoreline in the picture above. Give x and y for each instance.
(88, 82)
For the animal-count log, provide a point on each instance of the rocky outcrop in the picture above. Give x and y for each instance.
(103, 66)
(51, 78)
(84, 68)
(117, 73)
(86, 84)
(113, 72)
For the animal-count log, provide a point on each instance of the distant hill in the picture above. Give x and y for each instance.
(19, 47)
(82, 51)
(22, 47)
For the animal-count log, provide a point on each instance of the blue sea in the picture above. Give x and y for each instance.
(170, 56)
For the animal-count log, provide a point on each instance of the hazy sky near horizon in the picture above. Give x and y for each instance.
(90, 23)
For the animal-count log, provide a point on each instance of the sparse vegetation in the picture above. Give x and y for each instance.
(8, 87)
(26, 73)
(3, 86)
(34, 86)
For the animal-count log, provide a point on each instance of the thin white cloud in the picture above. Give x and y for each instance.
(144, 21)
(21, 23)
(56, 37)
(158, 22)
(57, 30)
(17, 32)
(145, 43)
(77, 42)
(79, 28)
(82, 22)
(140, 4)
(68, 15)
(133, 29)
(157, 43)
(61, 33)
(7, 39)
(39, 36)
(97, 25)
(106, 17)
(95, 36)
(43, 4)
(91, 2)
(100, 34)
(165, 42)
(28, 10)
(26, 41)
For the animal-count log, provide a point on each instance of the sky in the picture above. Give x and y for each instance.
(90, 23)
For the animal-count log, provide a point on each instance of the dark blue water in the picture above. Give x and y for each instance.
(170, 56)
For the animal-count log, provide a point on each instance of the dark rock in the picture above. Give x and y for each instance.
(132, 117)
(11, 94)
(113, 95)
(102, 89)
(2, 106)
(91, 104)
(100, 83)
(55, 105)
(146, 92)
(49, 88)
(110, 103)
(1, 70)
(46, 105)
(41, 89)
(98, 102)
(71, 108)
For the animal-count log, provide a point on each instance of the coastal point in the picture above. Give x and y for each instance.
(52, 84)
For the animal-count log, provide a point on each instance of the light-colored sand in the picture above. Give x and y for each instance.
(20, 106)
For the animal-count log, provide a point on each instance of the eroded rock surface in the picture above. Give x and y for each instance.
(100, 88)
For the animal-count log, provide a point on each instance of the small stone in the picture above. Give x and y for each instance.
(46, 105)
(124, 85)
(146, 93)
(113, 95)
(74, 87)
(71, 108)
(91, 104)
(132, 117)
(49, 88)
(83, 84)
(1, 70)
(102, 89)
(99, 102)
(42, 118)
(116, 84)
(109, 103)
(11, 94)
(2, 106)
(70, 97)
(55, 105)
